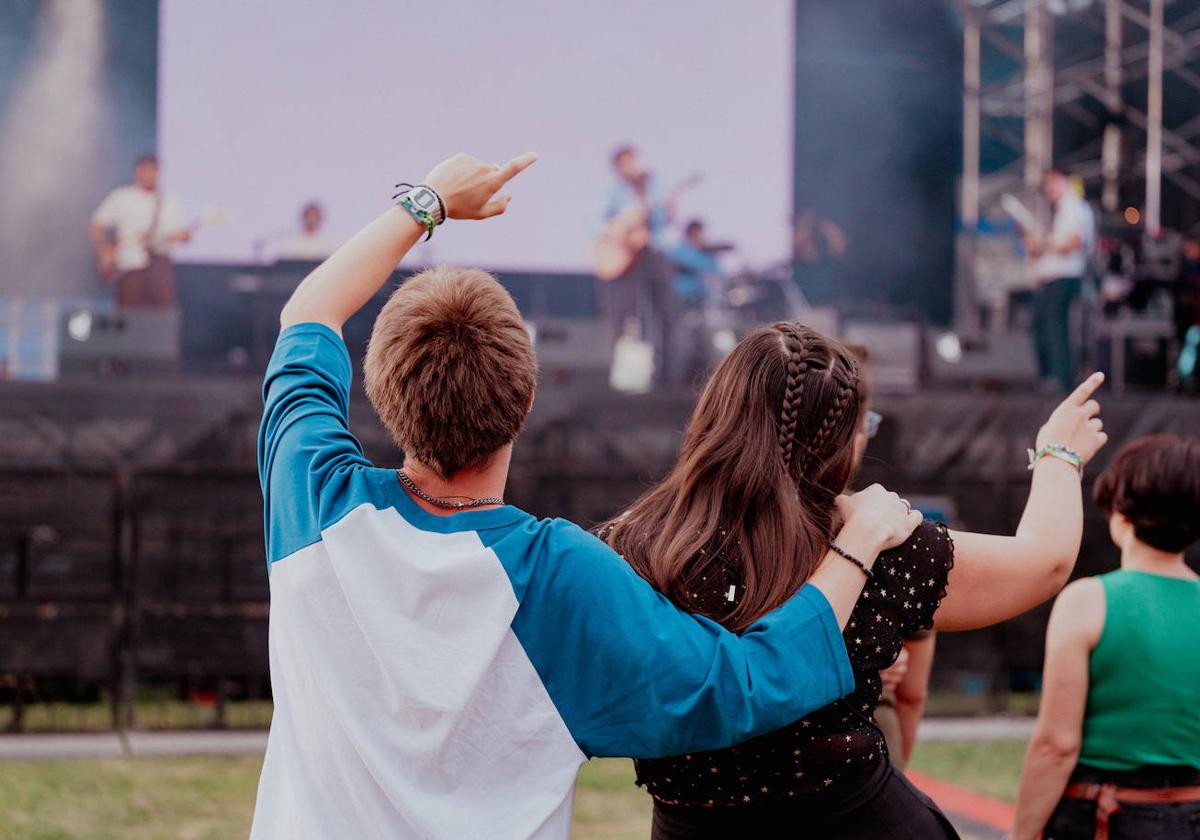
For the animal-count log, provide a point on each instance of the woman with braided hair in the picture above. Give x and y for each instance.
(752, 508)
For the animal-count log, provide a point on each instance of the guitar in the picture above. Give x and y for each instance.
(627, 234)
(158, 246)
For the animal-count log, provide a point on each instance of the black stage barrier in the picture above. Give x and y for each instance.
(131, 533)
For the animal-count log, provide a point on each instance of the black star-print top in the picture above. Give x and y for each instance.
(831, 754)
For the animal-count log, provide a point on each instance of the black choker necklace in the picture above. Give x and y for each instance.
(445, 502)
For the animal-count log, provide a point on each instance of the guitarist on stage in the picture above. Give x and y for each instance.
(637, 276)
(133, 231)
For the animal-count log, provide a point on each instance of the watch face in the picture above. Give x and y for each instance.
(424, 199)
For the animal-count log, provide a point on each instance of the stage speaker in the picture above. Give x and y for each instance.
(116, 343)
(571, 348)
(896, 351)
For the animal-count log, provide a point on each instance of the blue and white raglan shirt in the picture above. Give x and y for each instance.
(446, 676)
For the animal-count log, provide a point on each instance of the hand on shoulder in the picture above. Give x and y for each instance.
(879, 514)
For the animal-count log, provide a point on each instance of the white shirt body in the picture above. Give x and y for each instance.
(129, 212)
(1072, 217)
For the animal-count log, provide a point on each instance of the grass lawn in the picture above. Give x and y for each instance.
(151, 713)
(991, 768)
(213, 798)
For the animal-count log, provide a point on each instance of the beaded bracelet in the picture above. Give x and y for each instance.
(1056, 450)
(837, 549)
(423, 217)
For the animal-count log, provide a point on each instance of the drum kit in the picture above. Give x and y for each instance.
(742, 301)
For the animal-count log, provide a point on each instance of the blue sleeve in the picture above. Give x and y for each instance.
(692, 260)
(633, 675)
(306, 454)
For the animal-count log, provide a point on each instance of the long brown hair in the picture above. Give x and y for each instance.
(768, 448)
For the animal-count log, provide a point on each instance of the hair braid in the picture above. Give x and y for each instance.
(789, 413)
(847, 388)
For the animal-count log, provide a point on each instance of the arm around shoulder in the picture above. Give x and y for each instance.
(634, 675)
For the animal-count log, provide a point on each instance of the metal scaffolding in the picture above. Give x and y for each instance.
(1134, 45)
(1117, 56)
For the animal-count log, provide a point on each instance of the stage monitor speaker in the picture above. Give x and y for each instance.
(116, 343)
(896, 351)
(572, 348)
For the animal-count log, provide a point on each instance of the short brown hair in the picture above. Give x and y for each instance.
(1155, 483)
(450, 368)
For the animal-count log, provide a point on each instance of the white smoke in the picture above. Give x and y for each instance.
(49, 133)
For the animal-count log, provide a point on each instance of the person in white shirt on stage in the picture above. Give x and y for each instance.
(310, 242)
(133, 231)
(1059, 263)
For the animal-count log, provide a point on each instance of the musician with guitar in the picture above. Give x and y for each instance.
(636, 278)
(1059, 259)
(133, 231)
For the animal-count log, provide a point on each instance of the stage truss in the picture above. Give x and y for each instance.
(1108, 84)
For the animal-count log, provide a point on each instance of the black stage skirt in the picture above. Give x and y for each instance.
(886, 807)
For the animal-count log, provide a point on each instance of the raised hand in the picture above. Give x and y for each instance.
(1076, 422)
(468, 186)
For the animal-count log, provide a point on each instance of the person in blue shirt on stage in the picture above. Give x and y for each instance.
(636, 186)
(696, 269)
(694, 261)
(442, 662)
(636, 292)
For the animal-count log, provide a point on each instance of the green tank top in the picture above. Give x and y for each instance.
(1143, 704)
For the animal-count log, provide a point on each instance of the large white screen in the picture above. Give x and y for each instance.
(264, 105)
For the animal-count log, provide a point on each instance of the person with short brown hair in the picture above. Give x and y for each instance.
(442, 663)
(1116, 750)
(418, 360)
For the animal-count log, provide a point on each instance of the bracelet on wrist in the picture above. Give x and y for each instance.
(422, 203)
(1059, 451)
(841, 552)
(441, 204)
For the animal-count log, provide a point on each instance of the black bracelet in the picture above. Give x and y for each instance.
(837, 549)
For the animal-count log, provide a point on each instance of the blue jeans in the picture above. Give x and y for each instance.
(1052, 330)
(1075, 819)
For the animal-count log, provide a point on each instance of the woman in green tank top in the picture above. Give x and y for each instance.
(1116, 751)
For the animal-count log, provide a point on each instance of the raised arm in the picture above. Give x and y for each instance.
(995, 577)
(341, 285)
